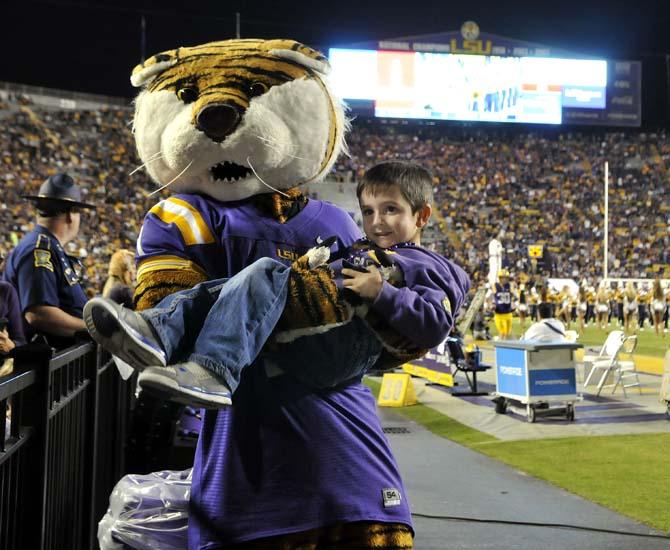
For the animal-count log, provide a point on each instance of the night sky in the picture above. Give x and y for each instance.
(92, 46)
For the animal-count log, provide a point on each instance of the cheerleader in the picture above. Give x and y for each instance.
(657, 306)
(564, 302)
(643, 303)
(629, 306)
(581, 308)
(602, 306)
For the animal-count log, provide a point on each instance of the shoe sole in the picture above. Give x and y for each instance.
(105, 327)
(168, 389)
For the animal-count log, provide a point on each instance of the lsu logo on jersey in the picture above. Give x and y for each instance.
(290, 255)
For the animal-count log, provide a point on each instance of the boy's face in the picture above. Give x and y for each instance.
(388, 218)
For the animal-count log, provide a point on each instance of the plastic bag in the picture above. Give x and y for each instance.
(125, 370)
(147, 512)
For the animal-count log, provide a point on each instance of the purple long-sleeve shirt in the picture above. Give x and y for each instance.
(10, 309)
(423, 306)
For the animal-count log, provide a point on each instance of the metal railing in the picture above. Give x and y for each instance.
(64, 450)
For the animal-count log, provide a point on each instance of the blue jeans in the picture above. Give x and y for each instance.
(223, 325)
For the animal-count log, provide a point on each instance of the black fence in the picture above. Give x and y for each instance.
(63, 451)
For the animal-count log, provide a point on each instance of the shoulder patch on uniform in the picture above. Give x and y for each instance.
(43, 259)
(43, 242)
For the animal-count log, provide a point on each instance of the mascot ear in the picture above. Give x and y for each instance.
(145, 72)
(306, 56)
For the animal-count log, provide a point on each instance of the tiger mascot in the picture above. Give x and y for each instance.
(232, 128)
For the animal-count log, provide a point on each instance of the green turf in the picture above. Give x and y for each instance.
(648, 343)
(627, 473)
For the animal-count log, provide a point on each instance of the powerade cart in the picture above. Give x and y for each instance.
(533, 375)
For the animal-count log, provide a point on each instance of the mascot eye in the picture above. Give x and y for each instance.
(187, 95)
(257, 88)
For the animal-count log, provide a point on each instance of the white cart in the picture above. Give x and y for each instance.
(530, 376)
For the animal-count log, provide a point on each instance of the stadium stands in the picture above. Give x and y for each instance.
(540, 187)
(97, 149)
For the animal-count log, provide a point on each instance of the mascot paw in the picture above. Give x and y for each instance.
(389, 270)
(318, 256)
(315, 257)
(313, 304)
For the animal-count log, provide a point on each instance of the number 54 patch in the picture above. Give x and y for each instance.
(391, 497)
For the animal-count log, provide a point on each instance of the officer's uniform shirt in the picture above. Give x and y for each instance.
(43, 274)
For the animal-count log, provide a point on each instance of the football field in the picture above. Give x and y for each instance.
(626, 473)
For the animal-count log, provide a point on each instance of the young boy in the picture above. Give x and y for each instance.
(194, 326)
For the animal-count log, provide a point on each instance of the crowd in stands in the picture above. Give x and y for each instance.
(544, 187)
(97, 149)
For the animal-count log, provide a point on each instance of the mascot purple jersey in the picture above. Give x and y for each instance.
(221, 238)
(275, 421)
(219, 123)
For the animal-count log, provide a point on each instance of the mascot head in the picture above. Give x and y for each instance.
(227, 118)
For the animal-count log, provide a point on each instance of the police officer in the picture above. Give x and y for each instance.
(44, 276)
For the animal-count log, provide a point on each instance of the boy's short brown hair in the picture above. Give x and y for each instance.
(414, 181)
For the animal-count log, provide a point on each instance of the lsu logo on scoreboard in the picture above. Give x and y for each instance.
(471, 46)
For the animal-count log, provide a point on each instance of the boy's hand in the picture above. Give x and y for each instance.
(367, 285)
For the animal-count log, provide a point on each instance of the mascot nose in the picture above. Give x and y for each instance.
(217, 121)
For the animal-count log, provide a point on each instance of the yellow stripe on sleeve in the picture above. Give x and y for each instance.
(188, 220)
(167, 262)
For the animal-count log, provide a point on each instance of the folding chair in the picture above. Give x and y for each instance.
(457, 356)
(607, 360)
(612, 336)
(626, 368)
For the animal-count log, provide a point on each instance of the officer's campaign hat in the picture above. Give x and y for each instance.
(59, 191)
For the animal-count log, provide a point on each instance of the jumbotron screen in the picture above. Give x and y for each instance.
(439, 86)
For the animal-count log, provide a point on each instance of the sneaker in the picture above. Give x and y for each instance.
(186, 383)
(124, 333)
